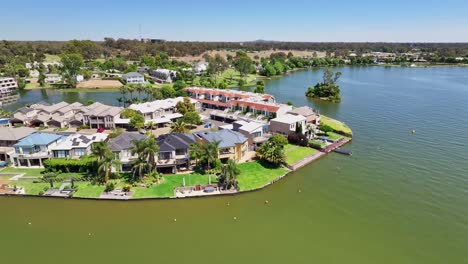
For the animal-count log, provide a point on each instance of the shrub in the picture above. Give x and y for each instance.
(85, 164)
(110, 186)
(326, 128)
(298, 139)
(315, 145)
(127, 188)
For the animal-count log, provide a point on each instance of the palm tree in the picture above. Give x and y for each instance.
(148, 89)
(230, 172)
(105, 158)
(210, 153)
(146, 149)
(179, 127)
(130, 89)
(151, 125)
(139, 88)
(196, 151)
(100, 150)
(123, 91)
(105, 166)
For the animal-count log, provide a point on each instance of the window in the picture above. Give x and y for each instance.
(180, 152)
(61, 154)
(80, 152)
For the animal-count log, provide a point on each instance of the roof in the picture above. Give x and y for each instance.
(173, 141)
(98, 109)
(132, 75)
(79, 141)
(14, 134)
(227, 138)
(288, 119)
(303, 110)
(25, 110)
(124, 141)
(150, 107)
(250, 126)
(38, 139)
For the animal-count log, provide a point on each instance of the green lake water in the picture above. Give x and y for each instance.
(401, 198)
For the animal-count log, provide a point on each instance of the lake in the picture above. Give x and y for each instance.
(401, 197)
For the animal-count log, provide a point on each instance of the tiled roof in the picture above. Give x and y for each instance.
(124, 141)
(38, 139)
(227, 138)
(13, 134)
(171, 142)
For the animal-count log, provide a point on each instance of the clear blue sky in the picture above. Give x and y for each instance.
(240, 20)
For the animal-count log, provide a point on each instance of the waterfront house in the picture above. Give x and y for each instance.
(9, 136)
(133, 78)
(288, 124)
(173, 153)
(101, 116)
(312, 116)
(200, 67)
(34, 149)
(254, 131)
(76, 146)
(53, 78)
(252, 105)
(161, 112)
(121, 146)
(232, 145)
(163, 75)
(8, 86)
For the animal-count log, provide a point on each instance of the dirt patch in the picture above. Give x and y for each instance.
(99, 84)
(260, 54)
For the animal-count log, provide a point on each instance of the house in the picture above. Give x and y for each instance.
(143, 69)
(232, 144)
(174, 152)
(288, 124)
(252, 104)
(254, 131)
(200, 67)
(32, 150)
(121, 146)
(312, 116)
(53, 78)
(101, 116)
(133, 78)
(160, 112)
(164, 75)
(8, 86)
(76, 146)
(10, 136)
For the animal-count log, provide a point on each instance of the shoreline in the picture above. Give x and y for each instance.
(291, 168)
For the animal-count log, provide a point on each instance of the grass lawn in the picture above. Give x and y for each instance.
(296, 153)
(51, 58)
(88, 190)
(335, 124)
(166, 188)
(255, 174)
(31, 187)
(28, 172)
(334, 136)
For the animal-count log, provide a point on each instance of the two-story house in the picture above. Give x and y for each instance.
(101, 116)
(8, 86)
(174, 152)
(164, 75)
(10, 136)
(76, 146)
(121, 146)
(34, 149)
(232, 144)
(288, 124)
(133, 78)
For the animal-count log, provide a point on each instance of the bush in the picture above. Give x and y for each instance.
(110, 186)
(315, 145)
(326, 128)
(298, 139)
(127, 188)
(85, 164)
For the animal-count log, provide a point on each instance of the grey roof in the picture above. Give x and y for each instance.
(25, 110)
(124, 141)
(171, 142)
(227, 138)
(14, 134)
(131, 74)
(304, 111)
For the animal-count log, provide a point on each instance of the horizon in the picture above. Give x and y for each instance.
(210, 21)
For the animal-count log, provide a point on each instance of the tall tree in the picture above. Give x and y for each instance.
(71, 65)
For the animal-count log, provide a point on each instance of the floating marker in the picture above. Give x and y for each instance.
(235, 218)
(175, 219)
(266, 202)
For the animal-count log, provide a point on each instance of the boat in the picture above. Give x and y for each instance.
(343, 151)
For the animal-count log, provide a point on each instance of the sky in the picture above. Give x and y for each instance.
(240, 20)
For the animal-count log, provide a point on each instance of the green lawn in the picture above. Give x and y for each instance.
(51, 58)
(296, 153)
(28, 172)
(255, 174)
(334, 136)
(31, 187)
(88, 190)
(335, 124)
(166, 188)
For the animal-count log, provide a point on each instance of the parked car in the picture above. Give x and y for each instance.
(100, 130)
(3, 163)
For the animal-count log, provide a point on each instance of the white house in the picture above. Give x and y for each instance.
(76, 145)
(164, 75)
(53, 78)
(133, 77)
(7, 86)
(288, 123)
